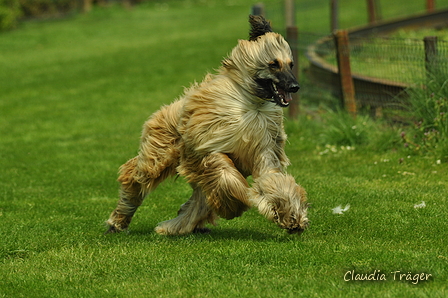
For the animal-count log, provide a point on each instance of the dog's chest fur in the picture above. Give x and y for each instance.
(220, 117)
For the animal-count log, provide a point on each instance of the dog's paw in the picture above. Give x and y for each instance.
(161, 230)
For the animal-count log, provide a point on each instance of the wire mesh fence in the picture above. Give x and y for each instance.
(383, 66)
(394, 59)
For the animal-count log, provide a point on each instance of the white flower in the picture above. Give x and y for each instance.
(407, 173)
(421, 205)
(438, 161)
(340, 210)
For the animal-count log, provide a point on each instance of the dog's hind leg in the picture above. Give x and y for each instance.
(156, 161)
(131, 197)
(132, 194)
(192, 216)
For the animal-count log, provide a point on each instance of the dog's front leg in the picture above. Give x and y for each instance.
(223, 185)
(279, 198)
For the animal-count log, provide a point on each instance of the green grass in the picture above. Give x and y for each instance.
(74, 94)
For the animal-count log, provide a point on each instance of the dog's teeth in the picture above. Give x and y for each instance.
(283, 101)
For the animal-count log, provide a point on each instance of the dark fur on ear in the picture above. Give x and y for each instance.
(259, 26)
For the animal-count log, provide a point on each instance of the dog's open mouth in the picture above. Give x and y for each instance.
(281, 97)
(276, 92)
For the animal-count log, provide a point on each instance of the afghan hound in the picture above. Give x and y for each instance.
(221, 131)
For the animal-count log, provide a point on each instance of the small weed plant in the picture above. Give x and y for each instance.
(339, 128)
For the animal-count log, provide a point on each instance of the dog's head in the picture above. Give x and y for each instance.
(265, 63)
(282, 201)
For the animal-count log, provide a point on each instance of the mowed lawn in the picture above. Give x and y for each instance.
(74, 94)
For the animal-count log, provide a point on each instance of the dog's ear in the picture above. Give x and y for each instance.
(258, 26)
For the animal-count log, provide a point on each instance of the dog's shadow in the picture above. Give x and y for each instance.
(219, 234)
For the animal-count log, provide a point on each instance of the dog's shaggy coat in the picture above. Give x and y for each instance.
(218, 133)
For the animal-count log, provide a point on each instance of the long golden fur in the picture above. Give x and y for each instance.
(221, 131)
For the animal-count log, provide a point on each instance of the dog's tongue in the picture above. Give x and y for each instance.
(286, 95)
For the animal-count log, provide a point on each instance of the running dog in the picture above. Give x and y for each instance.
(222, 130)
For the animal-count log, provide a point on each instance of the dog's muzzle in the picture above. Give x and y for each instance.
(283, 96)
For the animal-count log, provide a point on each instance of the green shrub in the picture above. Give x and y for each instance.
(428, 131)
(9, 14)
(33, 8)
(12, 10)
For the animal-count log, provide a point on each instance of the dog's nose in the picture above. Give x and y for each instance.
(293, 88)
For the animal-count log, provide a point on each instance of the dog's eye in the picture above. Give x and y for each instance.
(274, 64)
(291, 65)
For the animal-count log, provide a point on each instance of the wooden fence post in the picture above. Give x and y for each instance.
(334, 14)
(430, 6)
(431, 54)
(373, 11)
(345, 73)
(258, 9)
(292, 33)
(290, 13)
(86, 5)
